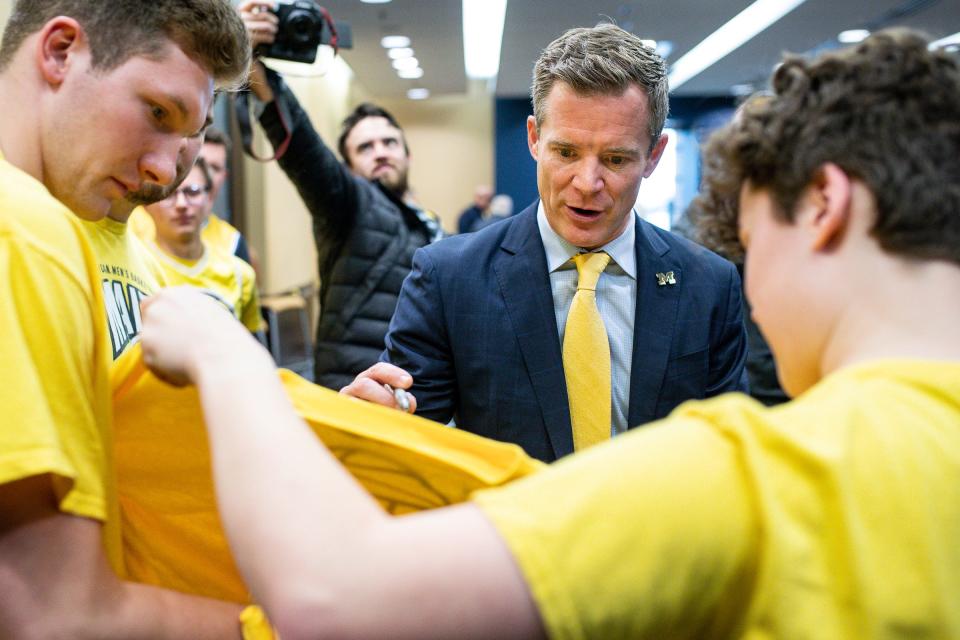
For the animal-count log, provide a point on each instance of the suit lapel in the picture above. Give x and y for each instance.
(521, 270)
(654, 322)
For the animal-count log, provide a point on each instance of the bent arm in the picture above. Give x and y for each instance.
(439, 574)
(56, 581)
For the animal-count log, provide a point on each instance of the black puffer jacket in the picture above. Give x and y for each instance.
(365, 240)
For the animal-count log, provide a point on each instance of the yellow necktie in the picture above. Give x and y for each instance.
(586, 357)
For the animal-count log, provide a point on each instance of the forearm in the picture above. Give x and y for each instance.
(291, 511)
(55, 581)
(314, 547)
(143, 611)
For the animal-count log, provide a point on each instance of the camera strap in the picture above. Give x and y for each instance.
(241, 107)
(334, 38)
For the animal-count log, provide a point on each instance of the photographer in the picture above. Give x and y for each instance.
(365, 225)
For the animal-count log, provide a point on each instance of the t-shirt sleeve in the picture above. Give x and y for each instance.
(53, 382)
(653, 535)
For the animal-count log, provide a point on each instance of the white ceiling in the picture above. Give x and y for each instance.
(435, 27)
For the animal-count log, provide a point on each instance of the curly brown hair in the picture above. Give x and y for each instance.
(209, 31)
(886, 111)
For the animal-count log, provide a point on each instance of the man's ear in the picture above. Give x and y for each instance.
(829, 199)
(654, 158)
(59, 40)
(533, 137)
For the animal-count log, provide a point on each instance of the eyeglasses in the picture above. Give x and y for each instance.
(192, 193)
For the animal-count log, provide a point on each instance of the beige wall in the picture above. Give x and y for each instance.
(5, 7)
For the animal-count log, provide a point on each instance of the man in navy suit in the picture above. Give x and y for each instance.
(481, 319)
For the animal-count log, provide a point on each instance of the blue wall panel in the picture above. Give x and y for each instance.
(516, 172)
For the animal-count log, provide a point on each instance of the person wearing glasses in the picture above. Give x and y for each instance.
(215, 151)
(187, 259)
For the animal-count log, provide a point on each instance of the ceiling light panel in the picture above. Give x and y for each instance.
(738, 30)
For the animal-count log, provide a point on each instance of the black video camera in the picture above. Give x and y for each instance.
(303, 25)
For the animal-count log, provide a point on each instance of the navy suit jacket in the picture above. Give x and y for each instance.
(475, 327)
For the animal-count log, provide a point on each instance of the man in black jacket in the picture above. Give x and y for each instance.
(365, 224)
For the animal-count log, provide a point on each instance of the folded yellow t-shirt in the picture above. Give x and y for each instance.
(172, 535)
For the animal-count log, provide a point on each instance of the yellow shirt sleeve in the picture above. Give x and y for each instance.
(643, 537)
(54, 376)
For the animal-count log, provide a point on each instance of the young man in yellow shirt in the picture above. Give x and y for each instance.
(836, 515)
(102, 102)
(187, 259)
(217, 232)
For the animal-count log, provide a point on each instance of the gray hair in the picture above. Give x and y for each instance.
(602, 60)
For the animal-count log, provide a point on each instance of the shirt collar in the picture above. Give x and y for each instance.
(559, 251)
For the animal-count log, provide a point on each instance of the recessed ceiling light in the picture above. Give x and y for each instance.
(851, 36)
(390, 42)
(418, 94)
(400, 52)
(482, 36)
(741, 90)
(947, 42)
(739, 29)
(410, 74)
(406, 63)
(375, 1)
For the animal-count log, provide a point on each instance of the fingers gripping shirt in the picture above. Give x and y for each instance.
(54, 392)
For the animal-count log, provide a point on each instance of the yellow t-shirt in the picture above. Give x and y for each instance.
(54, 391)
(216, 232)
(142, 225)
(223, 276)
(172, 535)
(220, 234)
(129, 273)
(836, 515)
